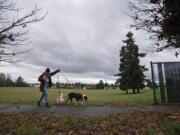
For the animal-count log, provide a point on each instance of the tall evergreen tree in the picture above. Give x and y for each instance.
(130, 74)
(100, 85)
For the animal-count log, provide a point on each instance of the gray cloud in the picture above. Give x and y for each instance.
(82, 37)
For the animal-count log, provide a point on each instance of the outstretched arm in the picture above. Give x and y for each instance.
(56, 71)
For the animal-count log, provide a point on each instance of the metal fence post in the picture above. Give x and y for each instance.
(161, 82)
(153, 84)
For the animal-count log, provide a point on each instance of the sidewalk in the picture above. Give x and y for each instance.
(91, 111)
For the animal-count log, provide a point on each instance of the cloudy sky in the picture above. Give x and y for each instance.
(82, 38)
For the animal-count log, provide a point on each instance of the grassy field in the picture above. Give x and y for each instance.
(95, 97)
(127, 123)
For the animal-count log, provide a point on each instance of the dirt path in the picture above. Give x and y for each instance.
(80, 110)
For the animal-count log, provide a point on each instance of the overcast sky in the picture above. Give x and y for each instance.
(82, 38)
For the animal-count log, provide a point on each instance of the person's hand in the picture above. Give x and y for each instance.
(59, 70)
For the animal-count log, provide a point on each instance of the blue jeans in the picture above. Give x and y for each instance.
(45, 93)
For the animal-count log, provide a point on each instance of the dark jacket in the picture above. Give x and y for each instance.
(42, 81)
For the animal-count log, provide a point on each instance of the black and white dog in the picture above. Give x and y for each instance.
(77, 96)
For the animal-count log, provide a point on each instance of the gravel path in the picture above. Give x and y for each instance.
(79, 110)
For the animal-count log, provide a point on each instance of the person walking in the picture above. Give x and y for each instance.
(45, 84)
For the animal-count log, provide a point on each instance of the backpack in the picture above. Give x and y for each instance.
(42, 82)
(40, 78)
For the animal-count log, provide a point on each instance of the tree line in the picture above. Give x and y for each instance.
(7, 81)
(99, 85)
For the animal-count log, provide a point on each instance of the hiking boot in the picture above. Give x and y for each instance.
(38, 103)
(47, 105)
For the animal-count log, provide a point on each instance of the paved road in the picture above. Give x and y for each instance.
(78, 110)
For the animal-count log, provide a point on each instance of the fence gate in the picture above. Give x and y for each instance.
(168, 80)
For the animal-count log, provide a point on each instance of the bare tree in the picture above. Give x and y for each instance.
(160, 18)
(13, 30)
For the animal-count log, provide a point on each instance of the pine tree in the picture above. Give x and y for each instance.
(100, 85)
(130, 74)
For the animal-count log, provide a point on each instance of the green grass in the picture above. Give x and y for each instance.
(95, 97)
(166, 128)
(171, 128)
(28, 130)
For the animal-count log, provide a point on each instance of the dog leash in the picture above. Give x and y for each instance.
(59, 85)
(67, 79)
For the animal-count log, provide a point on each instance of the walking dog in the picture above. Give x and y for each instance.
(77, 96)
(60, 98)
